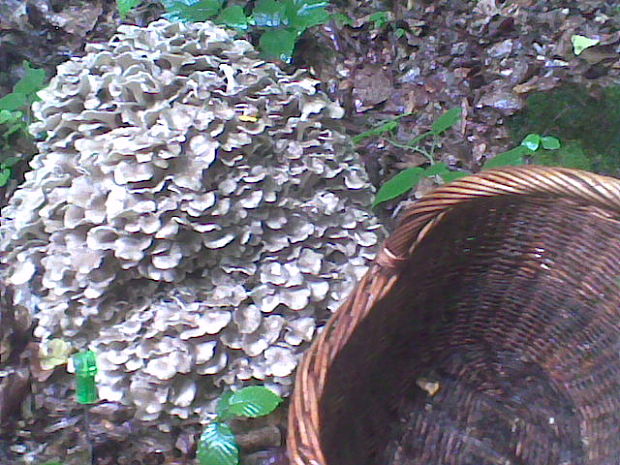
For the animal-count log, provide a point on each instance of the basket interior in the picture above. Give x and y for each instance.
(498, 344)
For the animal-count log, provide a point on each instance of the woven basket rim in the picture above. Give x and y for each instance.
(534, 181)
(304, 446)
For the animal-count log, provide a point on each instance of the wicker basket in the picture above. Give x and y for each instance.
(486, 332)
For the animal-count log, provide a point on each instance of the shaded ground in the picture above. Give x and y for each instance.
(419, 57)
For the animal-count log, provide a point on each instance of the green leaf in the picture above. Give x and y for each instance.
(278, 44)
(531, 141)
(399, 32)
(510, 158)
(270, 13)
(380, 18)
(399, 184)
(234, 16)
(10, 162)
(442, 170)
(253, 401)
(550, 143)
(13, 101)
(342, 19)
(192, 10)
(14, 127)
(217, 446)
(580, 43)
(9, 117)
(446, 121)
(303, 14)
(222, 409)
(417, 139)
(388, 126)
(436, 169)
(32, 82)
(125, 6)
(5, 175)
(453, 175)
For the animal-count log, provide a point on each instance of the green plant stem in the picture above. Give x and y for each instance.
(401, 146)
(414, 148)
(431, 155)
(419, 138)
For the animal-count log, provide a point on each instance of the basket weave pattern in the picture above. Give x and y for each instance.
(486, 332)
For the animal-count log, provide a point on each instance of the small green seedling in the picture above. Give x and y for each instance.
(443, 123)
(388, 126)
(587, 125)
(531, 144)
(410, 177)
(25, 90)
(217, 444)
(15, 116)
(534, 147)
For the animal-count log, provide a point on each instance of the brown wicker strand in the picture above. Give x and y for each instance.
(487, 331)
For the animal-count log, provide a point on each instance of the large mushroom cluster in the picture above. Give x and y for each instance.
(194, 214)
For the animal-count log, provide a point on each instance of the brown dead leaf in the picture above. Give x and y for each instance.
(372, 85)
(77, 20)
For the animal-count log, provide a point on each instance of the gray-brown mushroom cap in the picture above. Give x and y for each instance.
(194, 214)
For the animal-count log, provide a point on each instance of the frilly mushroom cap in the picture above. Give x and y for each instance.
(194, 214)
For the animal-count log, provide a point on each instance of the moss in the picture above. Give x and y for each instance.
(570, 155)
(588, 127)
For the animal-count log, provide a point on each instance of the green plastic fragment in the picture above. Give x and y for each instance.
(85, 365)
